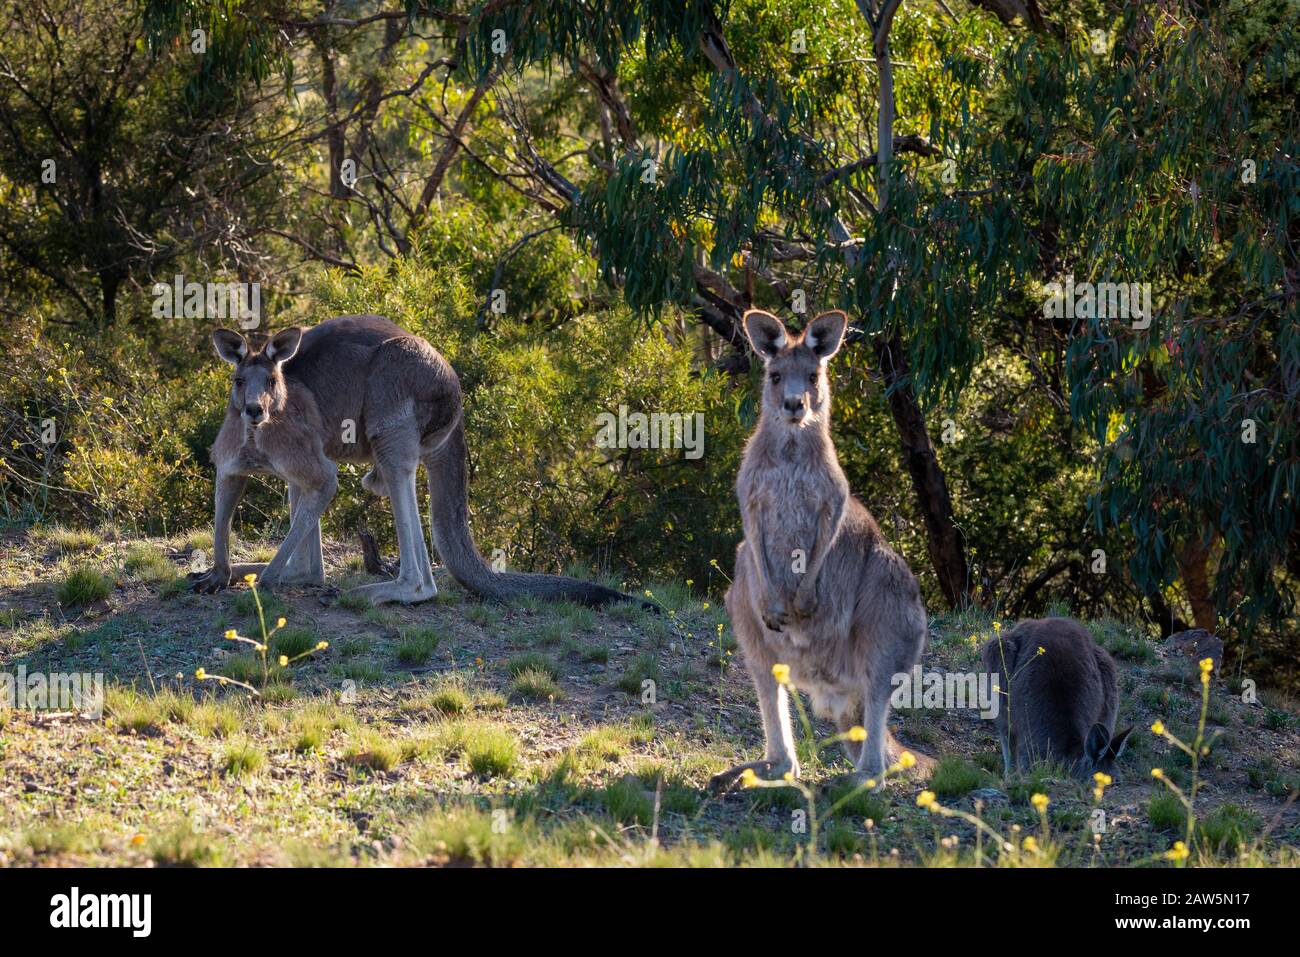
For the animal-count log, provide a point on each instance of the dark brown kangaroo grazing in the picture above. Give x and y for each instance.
(816, 587)
(356, 389)
(1059, 704)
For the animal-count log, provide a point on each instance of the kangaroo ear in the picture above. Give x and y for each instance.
(825, 333)
(766, 333)
(283, 345)
(1098, 741)
(231, 346)
(1118, 742)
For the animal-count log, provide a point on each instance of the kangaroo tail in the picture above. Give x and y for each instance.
(893, 748)
(449, 516)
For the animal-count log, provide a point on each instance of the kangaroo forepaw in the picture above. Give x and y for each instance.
(775, 616)
(726, 780)
(209, 582)
(805, 603)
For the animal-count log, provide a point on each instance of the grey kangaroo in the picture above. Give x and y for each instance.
(355, 389)
(816, 588)
(1060, 702)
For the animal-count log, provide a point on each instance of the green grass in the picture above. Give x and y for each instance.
(358, 671)
(627, 802)
(449, 696)
(483, 614)
(217, 719)
(533, 661)
(247, 668)
(199, 538)
(293, 642)
(182, 846)
(535, 684)
(147, 563)
(490, 750)
(309, 734)
(373, 752)
(955, 776)
(1166, 813)
(1226, 827)
(131, 712)
(83, 585)
(466, 836)
(589, 653)
(1122, 640)
(859, 803)
(71, 539)
(240, 758)
(353, 601)
(641, 669)
(272, 608)
(417, 645)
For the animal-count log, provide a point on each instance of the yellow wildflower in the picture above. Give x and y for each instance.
(1178, 852)
(926, 800)
(1040, 802)
(907, 760)
(1158, 728)
(857, 733)
(781, 673)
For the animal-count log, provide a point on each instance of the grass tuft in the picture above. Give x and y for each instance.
(84, 585)
(417, 645)
(534, 684)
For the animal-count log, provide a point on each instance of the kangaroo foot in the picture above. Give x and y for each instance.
(724, 781)
(407, 593)
(302, 578)
(209, 582)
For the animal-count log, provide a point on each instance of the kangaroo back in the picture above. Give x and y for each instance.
(1058, 688)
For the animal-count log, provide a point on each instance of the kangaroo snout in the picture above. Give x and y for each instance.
(254, 413)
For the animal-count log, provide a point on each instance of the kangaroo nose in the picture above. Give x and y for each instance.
(253, 411)
(793, 403)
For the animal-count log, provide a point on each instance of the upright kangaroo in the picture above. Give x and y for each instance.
(356, 389)
(816, 587)
(1060, 701)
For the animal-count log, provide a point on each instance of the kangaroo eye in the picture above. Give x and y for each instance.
(812, 378)
(776, 378)
(239, 383)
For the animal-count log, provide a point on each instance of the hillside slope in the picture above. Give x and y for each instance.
(460, 732)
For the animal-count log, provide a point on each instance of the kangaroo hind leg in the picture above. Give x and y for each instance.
(306, 565)
(395, 465)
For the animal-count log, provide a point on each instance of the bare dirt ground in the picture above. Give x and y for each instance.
(459, 732)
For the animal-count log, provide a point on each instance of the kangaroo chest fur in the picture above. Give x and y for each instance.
(790, 489)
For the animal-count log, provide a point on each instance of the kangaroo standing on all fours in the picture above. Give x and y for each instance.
(816, 588)
(356, 389)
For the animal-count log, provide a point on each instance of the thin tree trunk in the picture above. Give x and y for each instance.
(947, 544)
(1193, 565)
